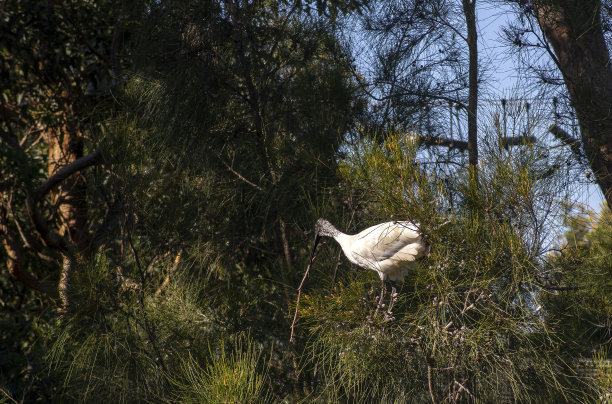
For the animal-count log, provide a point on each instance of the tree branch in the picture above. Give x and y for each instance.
(237, 174)
(518, 141)
(442, 141)
(27, 241)
(80, 164)
(560, 288)
(462, 145)
(51, 238)
(13, 260)
(567, 140)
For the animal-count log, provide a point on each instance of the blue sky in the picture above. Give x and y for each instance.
(501, 68)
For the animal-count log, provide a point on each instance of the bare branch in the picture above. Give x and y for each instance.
(297, 303)
(170, 273)
(560, 288)
(518, 141)
(27, 241)
(568, 140)
(82, 163)
(50, 238)
(462, 145)
(237, 174)
(442, 141)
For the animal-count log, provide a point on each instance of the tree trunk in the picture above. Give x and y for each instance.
(64, 283)
(65, 147)
(573, 29)
(69, 198)
(469, 11)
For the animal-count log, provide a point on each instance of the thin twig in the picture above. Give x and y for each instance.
(558, 288)
(463, 388)
(149, 329)
(429, 376)
(237, 174)
(7, 395)
(297, 303)
(27, 242)
(430, 384)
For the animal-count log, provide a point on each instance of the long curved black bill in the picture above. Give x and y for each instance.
(314, 249)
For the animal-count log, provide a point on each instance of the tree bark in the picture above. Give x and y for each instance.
(573, 29)
(469, 12)
(66, 147)
(64, 283)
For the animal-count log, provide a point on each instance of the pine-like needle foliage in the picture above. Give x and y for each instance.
(467, 324)
(226, 138)
(230, 377)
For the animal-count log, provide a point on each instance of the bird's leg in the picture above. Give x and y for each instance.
(383, 289)
(389, 313)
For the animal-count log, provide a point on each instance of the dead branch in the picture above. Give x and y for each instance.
(27, 241)
(567, 140)
(237, 174)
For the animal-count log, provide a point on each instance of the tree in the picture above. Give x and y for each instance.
(464, 325)
(187, 149)
(59, 63)
(417, 65)
(577, 298)
(222, 143)
(426, 68)
(469, 11)
(573, 35)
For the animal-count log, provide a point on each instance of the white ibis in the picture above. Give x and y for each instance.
(388, 248)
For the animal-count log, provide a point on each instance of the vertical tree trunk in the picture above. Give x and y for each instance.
(64, 283)
(469, 11)
(65, 147)
(69, 198)
(573, 29)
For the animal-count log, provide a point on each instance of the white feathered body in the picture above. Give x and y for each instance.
(388, 248)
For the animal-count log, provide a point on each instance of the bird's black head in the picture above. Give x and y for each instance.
(325, 228)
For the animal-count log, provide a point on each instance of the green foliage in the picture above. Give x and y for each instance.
(24, 322)
(221, 149)
(466, 322)
(230, 130)
(580, 308)
(131, 342)
(228, 141)
(229, 377)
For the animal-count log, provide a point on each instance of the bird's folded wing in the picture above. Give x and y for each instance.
(396, 241)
